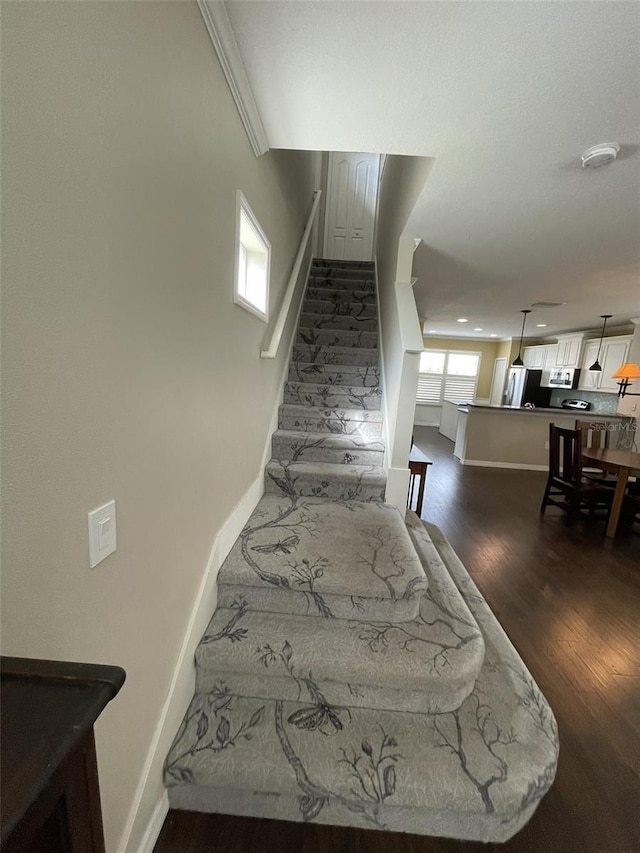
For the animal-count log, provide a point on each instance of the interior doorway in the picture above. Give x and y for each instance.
(352, 196)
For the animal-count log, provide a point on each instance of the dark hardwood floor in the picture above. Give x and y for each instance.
(570, 601)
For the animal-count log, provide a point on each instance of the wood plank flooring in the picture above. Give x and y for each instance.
(570, 601)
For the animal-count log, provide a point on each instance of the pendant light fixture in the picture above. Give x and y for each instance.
(518, 362)
(596, 364)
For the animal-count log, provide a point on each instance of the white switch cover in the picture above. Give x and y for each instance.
(102, 533)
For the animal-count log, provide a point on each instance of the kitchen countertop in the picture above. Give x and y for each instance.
(576, 413)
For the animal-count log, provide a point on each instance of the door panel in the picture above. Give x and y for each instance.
(351, 206)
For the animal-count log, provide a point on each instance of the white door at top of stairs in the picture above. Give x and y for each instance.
(352, 193)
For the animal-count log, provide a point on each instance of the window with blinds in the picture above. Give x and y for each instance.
(447, 375)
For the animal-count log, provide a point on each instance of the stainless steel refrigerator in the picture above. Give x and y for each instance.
(523, 388)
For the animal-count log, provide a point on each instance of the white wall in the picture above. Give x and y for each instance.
(403, 180)
(128, 372)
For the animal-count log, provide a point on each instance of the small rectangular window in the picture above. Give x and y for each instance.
(253, 259)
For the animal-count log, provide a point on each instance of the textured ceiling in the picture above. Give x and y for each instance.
(505, 96)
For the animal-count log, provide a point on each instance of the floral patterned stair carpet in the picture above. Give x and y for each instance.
(352, 673)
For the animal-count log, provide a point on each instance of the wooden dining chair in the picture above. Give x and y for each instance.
(596, 435)
(567, 487)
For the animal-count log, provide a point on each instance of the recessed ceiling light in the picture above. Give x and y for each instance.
(541, 325)
(462, 320)
(477, 330)
(493, 336)
(432, 331)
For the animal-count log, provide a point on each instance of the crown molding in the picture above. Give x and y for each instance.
(216, 19)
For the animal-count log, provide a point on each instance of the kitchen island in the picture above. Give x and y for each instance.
(509, 437)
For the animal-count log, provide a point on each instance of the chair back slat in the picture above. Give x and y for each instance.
(593, 434)
(564, 454)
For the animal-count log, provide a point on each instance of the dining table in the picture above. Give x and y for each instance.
(623, 463)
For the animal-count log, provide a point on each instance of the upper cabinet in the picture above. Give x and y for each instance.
(540, 357)
(613, 353)
(569, 350)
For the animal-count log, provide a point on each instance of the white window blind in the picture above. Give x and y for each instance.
(447, 375)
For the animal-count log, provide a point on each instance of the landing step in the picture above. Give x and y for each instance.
(335, 421)
(475, 773)
(307, 556)
(337, 482)
(428, 665)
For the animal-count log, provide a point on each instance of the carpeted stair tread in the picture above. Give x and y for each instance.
(427, 665)
(329, 320)
(365, 308)
(333, 396)
(295, 445)
(337, 337)
(334, 421)
(345, 560)
(363, 294)
(344, 374)
(335, 355)
(334, 481)
(477, 772)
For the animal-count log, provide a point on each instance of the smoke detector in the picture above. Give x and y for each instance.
(600, 155)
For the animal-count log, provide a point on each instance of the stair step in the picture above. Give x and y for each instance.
(340, 307)
(323, 293)
(304, 556)
(294, 445)
(327, 354)
(339, 321)
(337, 422)
(475, 773)
(343, 273)
(428, 665)
(337, 482)
(349, 374)
(321, 263)
(333, 396)
(337, 338)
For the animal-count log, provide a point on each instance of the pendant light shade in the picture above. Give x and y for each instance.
(596, 364)
(518, 362)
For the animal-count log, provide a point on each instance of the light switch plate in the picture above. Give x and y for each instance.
(102, 533)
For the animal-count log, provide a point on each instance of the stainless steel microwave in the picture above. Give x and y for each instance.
(563, 377)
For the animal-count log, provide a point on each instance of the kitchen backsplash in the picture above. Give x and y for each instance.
(601, 404)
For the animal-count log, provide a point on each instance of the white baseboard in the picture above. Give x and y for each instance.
(385, 422)
(427, 423)
(151, 798)
(154, 827)
(518, 466)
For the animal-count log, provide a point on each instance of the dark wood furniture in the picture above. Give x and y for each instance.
(595, 434)
(620, 462)
(418, 467)
(566, 480)
(49, 789)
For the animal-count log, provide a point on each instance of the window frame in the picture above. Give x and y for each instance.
(444, 375)
(244, 208)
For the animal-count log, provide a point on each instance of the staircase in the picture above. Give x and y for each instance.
(352, 673)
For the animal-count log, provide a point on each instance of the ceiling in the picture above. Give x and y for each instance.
(505, 96)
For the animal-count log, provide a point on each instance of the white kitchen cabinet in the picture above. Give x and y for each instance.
(569, 351)
(533, 357)
(589, 379)
(613, 353)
